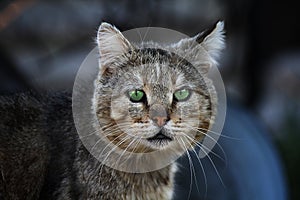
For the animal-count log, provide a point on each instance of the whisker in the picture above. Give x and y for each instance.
(92, 133)
(110, 142)
(146, 33)
(210, 137)
(215, 168)
(190, 158)
(125, 151)
(216, 133)
(211, 161)
(203, 171)
(112, 150)
(221, 135)
(133, 150)
(140, 35)
(191, 176)
(200, 145)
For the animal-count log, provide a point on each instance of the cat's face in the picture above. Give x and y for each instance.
(152, 98)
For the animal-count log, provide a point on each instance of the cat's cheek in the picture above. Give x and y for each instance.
(136, 111)
(119, 108)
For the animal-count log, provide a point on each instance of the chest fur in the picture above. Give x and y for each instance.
(107, 183)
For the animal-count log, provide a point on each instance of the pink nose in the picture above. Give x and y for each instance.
(158, 114)
(160, 121)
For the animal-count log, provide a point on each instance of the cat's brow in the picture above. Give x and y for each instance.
(129, 87)
(180, 81)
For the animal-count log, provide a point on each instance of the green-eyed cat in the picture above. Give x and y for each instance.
(148, 98)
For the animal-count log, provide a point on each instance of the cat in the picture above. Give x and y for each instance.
(162, 102)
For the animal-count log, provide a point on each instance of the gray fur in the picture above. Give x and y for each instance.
(41, 156)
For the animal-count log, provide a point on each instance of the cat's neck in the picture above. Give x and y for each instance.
(107, 183)
(151, 185)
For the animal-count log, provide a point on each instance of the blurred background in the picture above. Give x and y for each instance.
(42, 44)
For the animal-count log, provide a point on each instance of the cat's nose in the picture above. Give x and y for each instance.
(158, 114)
(160, 121)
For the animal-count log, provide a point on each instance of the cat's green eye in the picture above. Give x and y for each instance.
(182, 95)
(136, 95)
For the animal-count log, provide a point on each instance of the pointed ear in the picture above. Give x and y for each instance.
(212, 40)
(204, 49)
(111, 44)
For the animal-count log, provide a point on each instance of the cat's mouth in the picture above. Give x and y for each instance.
(160, 138)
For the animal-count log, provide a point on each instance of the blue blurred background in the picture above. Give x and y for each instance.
(42, 44)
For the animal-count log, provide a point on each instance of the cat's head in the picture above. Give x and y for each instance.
(152, 97)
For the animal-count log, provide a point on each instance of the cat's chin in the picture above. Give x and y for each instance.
(158, 145)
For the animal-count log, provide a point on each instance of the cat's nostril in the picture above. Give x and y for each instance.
(160, 121)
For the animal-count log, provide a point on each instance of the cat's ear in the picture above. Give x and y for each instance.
(212, 40)
(111, 44)
(204, 49)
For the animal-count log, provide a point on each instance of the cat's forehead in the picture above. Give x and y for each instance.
(159, 66)
(156, 69)
(154, 74)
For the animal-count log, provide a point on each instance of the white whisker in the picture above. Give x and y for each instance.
(201, 146)
(210, 137)
(203, 171)
(191, 175)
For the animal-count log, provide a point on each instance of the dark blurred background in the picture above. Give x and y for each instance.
(42, 44)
